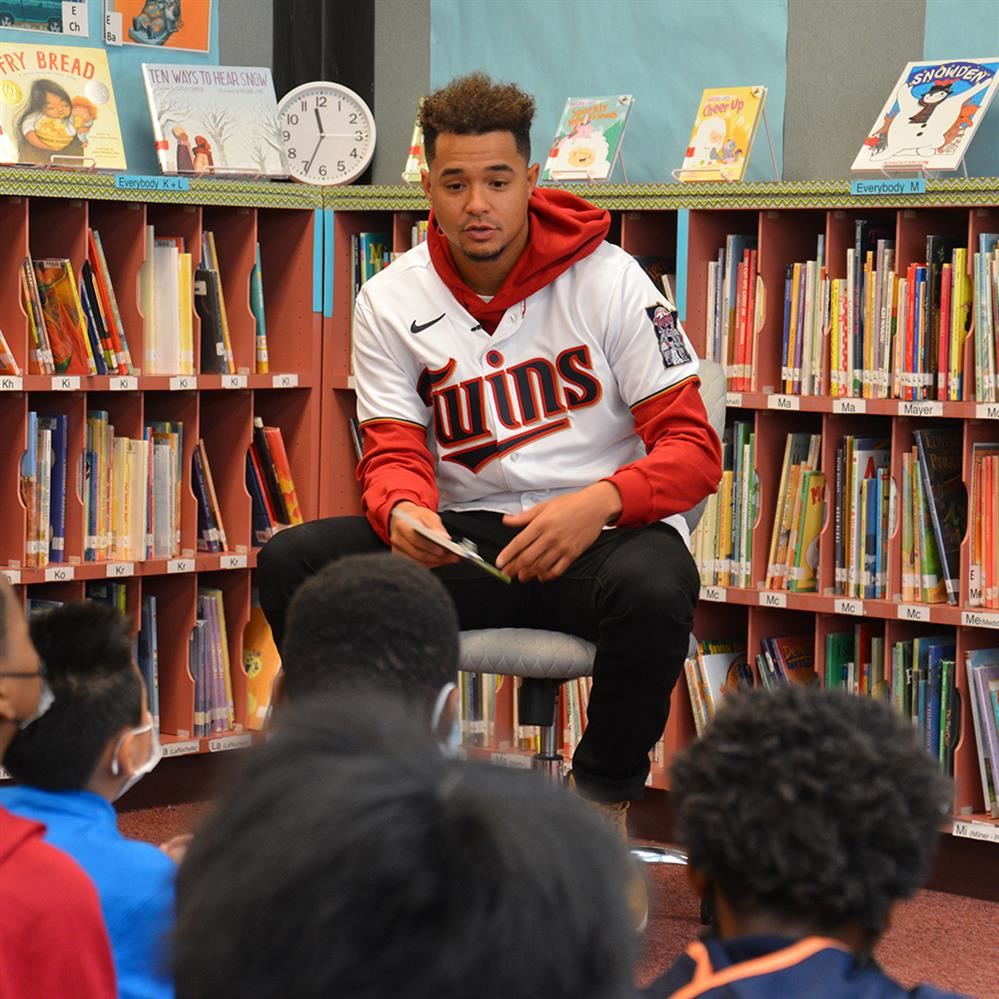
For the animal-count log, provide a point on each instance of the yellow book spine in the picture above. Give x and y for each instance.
(185, 297)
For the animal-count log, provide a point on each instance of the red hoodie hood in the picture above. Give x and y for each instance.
(564, 229)
(15, 832)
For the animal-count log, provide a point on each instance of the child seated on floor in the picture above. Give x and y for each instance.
(806, 814)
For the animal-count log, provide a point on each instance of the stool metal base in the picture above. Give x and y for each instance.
(659, 855)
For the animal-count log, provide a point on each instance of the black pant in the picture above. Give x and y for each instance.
(632, 593)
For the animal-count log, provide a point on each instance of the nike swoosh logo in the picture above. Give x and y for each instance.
(415, 327)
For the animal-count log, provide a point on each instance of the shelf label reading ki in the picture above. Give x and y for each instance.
(713, 593)
(913, 612)
(844, 605)
(772, 599)
(849, 405)
(124, 383)
(788, 403)
(183, 383)
(234, 381)
(285, 381)
(65, 383)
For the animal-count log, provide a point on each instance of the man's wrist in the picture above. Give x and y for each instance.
(610, 500)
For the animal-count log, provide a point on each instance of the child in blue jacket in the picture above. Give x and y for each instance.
(806, 814)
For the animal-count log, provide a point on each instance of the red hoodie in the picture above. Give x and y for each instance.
(673, 425)
(52, 937)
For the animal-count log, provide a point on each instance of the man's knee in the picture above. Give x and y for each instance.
(656, 594)
(282, 561)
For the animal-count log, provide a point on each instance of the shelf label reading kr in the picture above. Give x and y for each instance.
(232, 562)
(180, 565)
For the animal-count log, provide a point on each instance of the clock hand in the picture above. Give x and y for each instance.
(308, 166)
(319, 120)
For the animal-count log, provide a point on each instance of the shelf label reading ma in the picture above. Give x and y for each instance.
(845, 605)
(11, 383)
(785, 402)
(124, 383)
(714, 593)
(226, 742)
(186, 748)
(974, 619)
(891, 185)
(913, 612)
(769, 598)
(849, 405)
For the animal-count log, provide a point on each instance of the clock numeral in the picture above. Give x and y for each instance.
(293, 119)
(285, 134)
(358, 136)
(341, 167)
(322, 170)
(321, 101)
(305, 105)
(353, 118)
(292, 154)
(353, 154)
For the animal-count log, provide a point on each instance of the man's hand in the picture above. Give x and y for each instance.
(556, 532)
(405, 541)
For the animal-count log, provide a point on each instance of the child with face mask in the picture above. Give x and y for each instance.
(95, 742)
(52, 936)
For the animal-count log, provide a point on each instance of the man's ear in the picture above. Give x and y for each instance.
(425, 182)
(447, 717)
(532, 175)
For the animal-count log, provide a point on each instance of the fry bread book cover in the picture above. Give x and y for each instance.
(723, 133)
(57, 107)
(929, 119)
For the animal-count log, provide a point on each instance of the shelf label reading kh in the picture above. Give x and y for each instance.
(11, 383)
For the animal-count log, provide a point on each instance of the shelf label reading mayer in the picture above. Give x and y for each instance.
(922, 408)
(979, 619)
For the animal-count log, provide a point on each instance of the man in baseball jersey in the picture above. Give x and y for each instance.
(520, 384)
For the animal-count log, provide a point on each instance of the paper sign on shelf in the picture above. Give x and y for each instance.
(186, 748)
(59, 573)
(232, 562)
(75, 18)
(180, 565)
(849, 406)
(183, 383)
(285, 381)
(13, 576)
(715, 594)
(65, 383)
(847, 605)
(112, 26)
(11, 383)
(913, 612)
(227, 742)
(124, 383)
(773, 598)
(119, 570)
(785, 402)
(234, 381)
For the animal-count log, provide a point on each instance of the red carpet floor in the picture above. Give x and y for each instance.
(946, 940)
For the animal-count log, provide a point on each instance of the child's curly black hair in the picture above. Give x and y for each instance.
(813, 805)
(474, 105)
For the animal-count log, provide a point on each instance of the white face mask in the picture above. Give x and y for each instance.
(45, 699)
(452, 742)
(155, 755)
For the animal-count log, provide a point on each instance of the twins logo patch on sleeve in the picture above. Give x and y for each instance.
(672, 348)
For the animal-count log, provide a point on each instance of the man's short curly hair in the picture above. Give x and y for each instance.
(814, 805)
(474, 105)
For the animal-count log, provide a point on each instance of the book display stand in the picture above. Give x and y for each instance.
(584, 176)
(731, 174)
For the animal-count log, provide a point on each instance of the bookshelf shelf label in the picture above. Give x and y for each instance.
(59, 573)
(927, 408)
(75, 18)
(768, 599)
(226, 742)
(844, 605)
(788, 403)
(13, 576)
(125, 182)
(893, 185)
(232, 562)
(65, 383)
(986, 832)
(234, 381)
(186, 748)
(183, 383)
(180, 565)
(913, 612)
(849, 406)
(976, 619)
(285, 381)
(987, 411)
(516, 761)
(124, 383)
(733, 399)
(11, 383)
(112, 28)
(120, 570)
(714, 593)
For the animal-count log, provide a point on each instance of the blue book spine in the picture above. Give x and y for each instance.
(872, 520)
(93, 335)
(59, 426)
(788, 282)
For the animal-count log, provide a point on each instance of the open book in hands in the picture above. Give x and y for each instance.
(463, 548)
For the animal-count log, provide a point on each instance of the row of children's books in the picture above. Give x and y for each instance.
(735, 310)
(132, 490)
(214, 708)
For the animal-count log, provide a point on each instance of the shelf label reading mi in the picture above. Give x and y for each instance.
(65, 383)
(285, 381)
(733, 399)
(59, 573)
(913, 612)
(13, 576)
(186, 748)
(923, 408)
(974, 619)
(232, 562)
(987, 832)
(849, 405)
(234, 381)
(772, 599)
(785, 402)
(516, 761)
(714, 593)
(226, 742)
(183, 383)
(987, 411)
(120, 570)
(11, 383)
(124, 383)
(180, 565)
(845, 605)
(75, 18)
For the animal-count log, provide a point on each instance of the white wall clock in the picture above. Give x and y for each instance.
(328, 133)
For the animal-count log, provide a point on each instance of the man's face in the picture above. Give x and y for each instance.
(19, 694)
(479, 187)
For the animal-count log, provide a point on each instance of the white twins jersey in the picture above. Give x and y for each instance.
(543, 405)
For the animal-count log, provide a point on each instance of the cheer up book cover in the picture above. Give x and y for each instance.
(57, 107)
(588, 141)
(929, 119)
(723, 133)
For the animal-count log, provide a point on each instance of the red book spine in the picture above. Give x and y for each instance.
(282, 469)
(740, 320)
(910, 344)
(750, 344)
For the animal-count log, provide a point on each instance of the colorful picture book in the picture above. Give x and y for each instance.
(722, 137)
(261, 662)
(270, 483)
(930, 117)
(58, 107)
(166, 24)
(587, 144)
(735, 309)
(215, 120)
(214, 707)
(982, 666)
